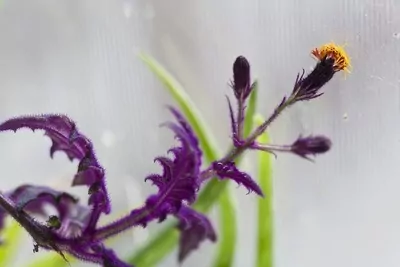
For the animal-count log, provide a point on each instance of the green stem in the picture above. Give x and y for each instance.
(227, 231)
(264, 257)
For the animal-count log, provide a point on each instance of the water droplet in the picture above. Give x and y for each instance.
(396, 35)
(345, 116)
(108, 138)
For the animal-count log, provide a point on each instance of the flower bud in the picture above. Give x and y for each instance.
(331, 59)
(241, 78)
(311, 145)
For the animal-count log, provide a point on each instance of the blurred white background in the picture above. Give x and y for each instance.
(80, 58)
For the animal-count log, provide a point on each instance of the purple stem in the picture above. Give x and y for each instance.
(250, 141)
(272, 148)
(136, 216)
(132, 219)
(240, 118)
(40, 233)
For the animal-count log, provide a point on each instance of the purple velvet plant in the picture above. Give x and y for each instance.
(75, 230)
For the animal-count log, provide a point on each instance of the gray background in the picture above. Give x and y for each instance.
(80, 58)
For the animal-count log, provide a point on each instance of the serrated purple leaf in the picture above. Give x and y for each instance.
(177, 184)
(229, 170)
(75, 222)
(65, 137)
(179, 180)
(188, 131)
(59, 128)
(110, 259)
(195, 228)
(33, 199)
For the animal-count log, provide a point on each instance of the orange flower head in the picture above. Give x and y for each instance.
(336, 52)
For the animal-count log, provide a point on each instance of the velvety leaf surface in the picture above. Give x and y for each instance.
(195, 228)
(229, 170)
(66, 137)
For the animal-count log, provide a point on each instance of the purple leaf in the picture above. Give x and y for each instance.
(179, 180)
(42, 234)
(229, 170)
(34, 197)
(195, 228)
(177, 184)
(97, 253)
(65, 137)
(109, 257)
(194, 143)
(59, 128)
(72, 217)
(75, 222)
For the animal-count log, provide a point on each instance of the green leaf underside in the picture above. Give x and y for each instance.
(227, 234)
(264, 257)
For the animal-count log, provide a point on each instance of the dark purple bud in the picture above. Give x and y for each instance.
(195, 228)
(311, 145)
(241, 78)
(229, 170)
(307, 88)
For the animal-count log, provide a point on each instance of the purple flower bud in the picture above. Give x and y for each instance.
(241, 78)
(331, 59)
(311, 145)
